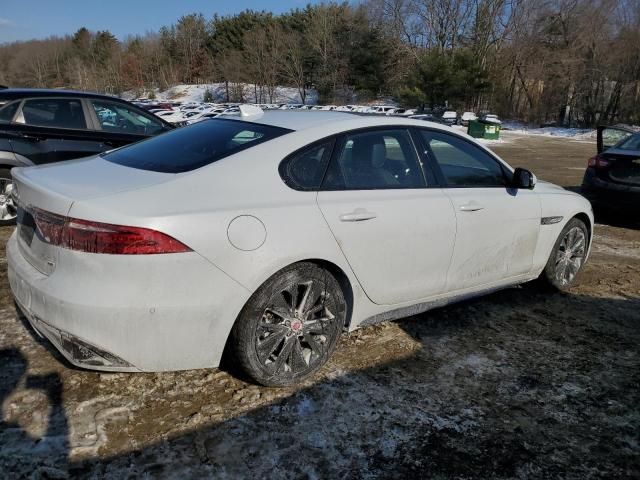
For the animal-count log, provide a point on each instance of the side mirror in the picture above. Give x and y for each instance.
(523, 178)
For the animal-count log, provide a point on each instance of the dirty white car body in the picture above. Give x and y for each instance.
(396, 251)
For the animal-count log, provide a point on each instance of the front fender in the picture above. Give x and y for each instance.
(566, 205)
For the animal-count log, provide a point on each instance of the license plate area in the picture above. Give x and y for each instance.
(34, 248)
(626, 171)
(26, 225)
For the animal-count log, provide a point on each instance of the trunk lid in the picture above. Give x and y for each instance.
(54, 189)
(624, 166)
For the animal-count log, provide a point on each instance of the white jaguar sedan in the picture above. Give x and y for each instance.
(268, 234)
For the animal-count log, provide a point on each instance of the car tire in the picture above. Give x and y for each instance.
(8, 210)
(290, 326)
(567, 256)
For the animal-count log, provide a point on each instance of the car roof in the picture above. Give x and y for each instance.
(13, 93)
(317, 124)
(298, 120)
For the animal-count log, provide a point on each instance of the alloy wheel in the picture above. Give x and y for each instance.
(570, 255)
(296, 328)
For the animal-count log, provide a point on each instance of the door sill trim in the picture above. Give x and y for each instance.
(422, 307)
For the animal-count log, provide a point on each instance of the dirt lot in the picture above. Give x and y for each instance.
(519, 384)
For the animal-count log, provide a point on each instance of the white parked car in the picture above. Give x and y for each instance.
(171, 116)
(191, 115)
(468, 117)
(449, 117)
(491, 118)
(405, 111)
(158, 110)
(189, 106)
(204, 116)
(270, 233)
(212, 113)
(382, 109)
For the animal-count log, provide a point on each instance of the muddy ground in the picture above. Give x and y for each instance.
(518, 384)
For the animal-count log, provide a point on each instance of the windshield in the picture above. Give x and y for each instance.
(195, 146)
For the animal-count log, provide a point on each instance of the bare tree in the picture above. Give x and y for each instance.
(293, 62)
(444, 21)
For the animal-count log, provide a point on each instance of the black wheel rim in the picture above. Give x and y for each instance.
(296, 329)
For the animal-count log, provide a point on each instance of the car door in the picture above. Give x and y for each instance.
(46, 130)
(116, 124)
(497, 226)
(395, 230)
(607, 137)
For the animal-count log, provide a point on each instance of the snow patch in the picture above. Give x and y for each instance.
(574, 133)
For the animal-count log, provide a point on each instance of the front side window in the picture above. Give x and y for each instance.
(463, 164)
(195, 146)
(115, 117)
(53, 112)
(378, 159)
(304, 169)
(8, 111)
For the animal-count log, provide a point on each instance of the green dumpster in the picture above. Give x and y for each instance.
(480, 129)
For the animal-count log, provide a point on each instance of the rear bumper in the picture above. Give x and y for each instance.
(76, 351)
(119, 313)
(600, 192)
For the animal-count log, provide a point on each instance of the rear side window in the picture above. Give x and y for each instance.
(378, 159)
(632, 143)
(195, 146)
(53, 112)
(304, 169)
(8, 111)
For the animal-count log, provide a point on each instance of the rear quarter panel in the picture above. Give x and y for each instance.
(198, 207)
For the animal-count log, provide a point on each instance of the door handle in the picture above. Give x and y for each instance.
(472, 206)
(358, 215)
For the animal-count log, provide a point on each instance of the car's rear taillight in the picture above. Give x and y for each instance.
(598, 162)
(96, 237)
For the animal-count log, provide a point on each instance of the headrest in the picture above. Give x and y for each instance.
(378, 155)
(368, 151)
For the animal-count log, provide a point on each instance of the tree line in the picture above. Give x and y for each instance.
(571, 62)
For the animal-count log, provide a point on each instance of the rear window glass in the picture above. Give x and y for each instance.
(7, 111)
(195, 146)
(631, 143)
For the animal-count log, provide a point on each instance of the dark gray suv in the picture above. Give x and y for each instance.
(44, 126)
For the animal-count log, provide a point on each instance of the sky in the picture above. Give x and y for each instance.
(27, 19)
